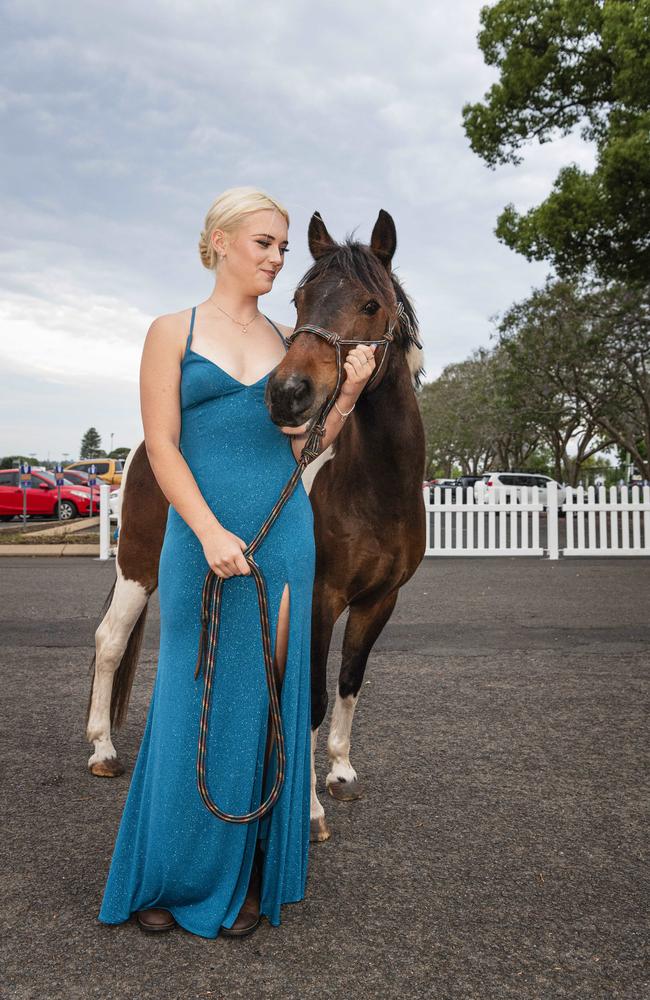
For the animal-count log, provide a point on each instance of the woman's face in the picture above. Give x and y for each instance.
(255, 252)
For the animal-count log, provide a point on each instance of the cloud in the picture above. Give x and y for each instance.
(123, 122)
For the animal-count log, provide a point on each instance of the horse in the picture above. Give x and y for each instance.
(365, 490)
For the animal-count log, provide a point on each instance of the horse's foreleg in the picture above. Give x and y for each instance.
(117, 642)
(365, 622)
(326, 608)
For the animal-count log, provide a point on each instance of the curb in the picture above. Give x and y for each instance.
(79, 524)
(68, 549)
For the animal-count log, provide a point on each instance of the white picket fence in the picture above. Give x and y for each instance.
(595, 522)
(598, 524)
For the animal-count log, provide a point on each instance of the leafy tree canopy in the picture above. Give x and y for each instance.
(565, 64)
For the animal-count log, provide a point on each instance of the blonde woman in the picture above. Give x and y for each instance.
(222, 463)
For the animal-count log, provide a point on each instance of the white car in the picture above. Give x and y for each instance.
(114, 504)
(516, 484)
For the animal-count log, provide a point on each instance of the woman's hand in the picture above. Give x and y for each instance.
(359, 366)
(223, 551)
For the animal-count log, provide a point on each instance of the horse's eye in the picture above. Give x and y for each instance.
(370, 308)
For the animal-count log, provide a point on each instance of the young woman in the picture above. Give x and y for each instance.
(222, 464)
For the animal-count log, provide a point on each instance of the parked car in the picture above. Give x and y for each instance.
(82, 478)
(42, 497)
(108, 469)
(448, 487)
(114, 504)
(466, 481)
(77, 477)
(514, 484)
(438, 482)
(444, 485)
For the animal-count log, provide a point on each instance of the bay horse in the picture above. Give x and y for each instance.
(365, 490)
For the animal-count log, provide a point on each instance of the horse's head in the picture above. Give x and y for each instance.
(349, 291)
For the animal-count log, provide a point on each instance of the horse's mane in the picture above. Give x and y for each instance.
(356, 262)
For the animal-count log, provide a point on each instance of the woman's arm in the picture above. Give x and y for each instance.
(160, 376)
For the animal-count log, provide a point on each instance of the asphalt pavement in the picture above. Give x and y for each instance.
(498, 850)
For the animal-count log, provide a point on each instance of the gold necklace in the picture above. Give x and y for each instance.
(244, 326)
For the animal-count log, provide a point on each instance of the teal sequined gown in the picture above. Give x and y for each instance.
(170, 850)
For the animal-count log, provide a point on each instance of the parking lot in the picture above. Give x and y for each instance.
(497, 852)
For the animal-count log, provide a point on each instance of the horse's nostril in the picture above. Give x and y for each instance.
(302, 389)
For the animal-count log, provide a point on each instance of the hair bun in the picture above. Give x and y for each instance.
(205, 251)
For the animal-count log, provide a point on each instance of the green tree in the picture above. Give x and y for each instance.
(91, 445)
(119, 453)
(471, 421)
(567, 64)
(13, 461)
(587, 348)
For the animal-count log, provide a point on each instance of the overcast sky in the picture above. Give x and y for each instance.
(122, 122)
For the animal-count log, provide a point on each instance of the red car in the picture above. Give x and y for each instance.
(42, 498)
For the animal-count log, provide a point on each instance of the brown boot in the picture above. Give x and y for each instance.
(249, 916)
(156, 919)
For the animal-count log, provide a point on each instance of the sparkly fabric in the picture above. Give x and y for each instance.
(170, 850)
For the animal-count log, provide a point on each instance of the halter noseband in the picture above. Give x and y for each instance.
(332, 337)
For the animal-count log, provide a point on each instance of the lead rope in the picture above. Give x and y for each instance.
(213, 587)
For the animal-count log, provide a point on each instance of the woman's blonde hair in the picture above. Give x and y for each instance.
(227, 213)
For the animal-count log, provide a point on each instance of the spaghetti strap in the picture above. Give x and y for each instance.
(189, 336)
(279, 332)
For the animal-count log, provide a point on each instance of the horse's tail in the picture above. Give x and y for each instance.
(123, 677)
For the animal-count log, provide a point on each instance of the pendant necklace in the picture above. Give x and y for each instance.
(244, 326)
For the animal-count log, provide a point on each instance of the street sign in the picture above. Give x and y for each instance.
(25, 480)
(92, 479)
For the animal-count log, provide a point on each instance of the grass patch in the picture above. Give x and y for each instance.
(69, 538)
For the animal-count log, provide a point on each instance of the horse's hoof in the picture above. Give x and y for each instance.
(111, 768)
(345, 791)
(318, 830)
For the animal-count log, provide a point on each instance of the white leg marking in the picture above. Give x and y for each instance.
(316, 809)
(338, 742)
(129, 598)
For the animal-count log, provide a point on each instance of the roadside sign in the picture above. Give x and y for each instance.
(25, 480)
(58, 472)
(92, 479)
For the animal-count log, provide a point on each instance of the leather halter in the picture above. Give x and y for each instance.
(333, 338)
(311, 449)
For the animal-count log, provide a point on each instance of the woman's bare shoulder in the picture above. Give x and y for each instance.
(173, 322)
(170, 328)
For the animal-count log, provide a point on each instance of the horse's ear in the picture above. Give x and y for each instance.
(383, 241)
(318, 238)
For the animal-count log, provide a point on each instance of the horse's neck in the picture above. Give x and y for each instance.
(388, 427)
